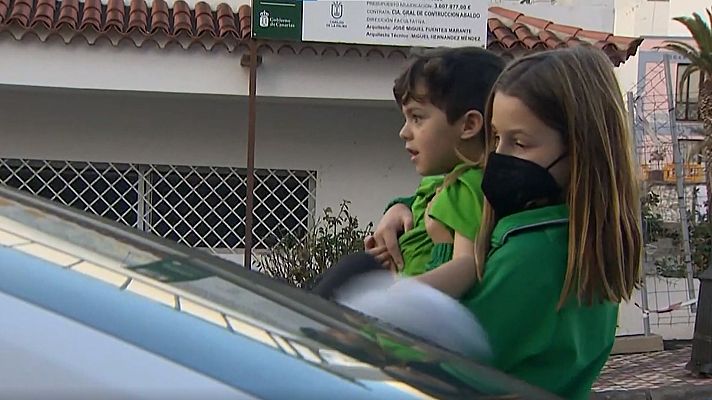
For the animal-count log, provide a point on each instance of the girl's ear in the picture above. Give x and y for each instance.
(472, 123)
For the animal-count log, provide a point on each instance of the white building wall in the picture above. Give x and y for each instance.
(175, 70)
(685, 8)
(347, 77)
(103, 66)
(654, 18)
(642, 17)
(650, 18)
(354, 148)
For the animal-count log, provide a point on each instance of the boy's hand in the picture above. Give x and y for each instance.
(380, 253)
(397, 220)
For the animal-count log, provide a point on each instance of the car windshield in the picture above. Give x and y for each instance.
(243, 301)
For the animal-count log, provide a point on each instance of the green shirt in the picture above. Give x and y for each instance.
(458, 207)
(563, 350)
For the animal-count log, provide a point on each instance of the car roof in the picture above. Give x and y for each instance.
(215, 313)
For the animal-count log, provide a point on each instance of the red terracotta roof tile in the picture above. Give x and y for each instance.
(68, 14)
(204, 21)
(551, 40)
(509, 32)
(510, 14)
(44, 14)
(566, 29)
(91, 16)
(115, 15)
(226, 21)
(138, 17)
(4, 6)
(537, 23)
(160, 21)
(20, 12)
(137, 22)
(182, 21)
(539, 34)
(245, 18)
(525, 35)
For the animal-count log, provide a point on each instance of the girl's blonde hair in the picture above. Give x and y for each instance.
(575, 91)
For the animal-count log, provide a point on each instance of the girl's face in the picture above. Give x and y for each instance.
(519, 133)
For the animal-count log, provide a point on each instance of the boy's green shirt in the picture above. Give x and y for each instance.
(458, 207)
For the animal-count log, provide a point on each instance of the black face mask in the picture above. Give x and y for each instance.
(512, 184)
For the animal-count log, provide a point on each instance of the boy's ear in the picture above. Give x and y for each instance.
(472, 123)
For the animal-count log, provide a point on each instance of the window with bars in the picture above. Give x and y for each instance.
(197, 206)
(687, 106)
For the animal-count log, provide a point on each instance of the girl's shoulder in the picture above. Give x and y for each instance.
(549, 224)
(534, 237)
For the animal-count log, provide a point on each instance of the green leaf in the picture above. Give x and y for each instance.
(701, 32)
(298, 260)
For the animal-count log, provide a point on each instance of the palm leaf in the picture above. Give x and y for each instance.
(682, 48)
(701, 33)
(700, 58)
(693, 56)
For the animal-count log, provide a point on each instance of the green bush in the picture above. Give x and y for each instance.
(652, 220)
(299, 259)
(673, 266)
(701, 238)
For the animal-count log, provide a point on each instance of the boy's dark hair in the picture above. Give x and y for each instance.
(454, 80)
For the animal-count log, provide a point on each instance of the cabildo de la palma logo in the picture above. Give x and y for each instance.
(337, 12)
(264, 19)
(337, 9)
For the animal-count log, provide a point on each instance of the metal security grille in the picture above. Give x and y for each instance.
(197, 206)
(107, 190)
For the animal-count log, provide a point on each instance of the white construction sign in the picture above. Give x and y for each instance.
(421, 23)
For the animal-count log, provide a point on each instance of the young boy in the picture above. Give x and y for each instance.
(442, 95)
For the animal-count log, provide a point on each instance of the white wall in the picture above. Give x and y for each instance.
(354, 148)
(637, 18)
(642, 17)
(175, 70)
(347, 77)
(653, 19)
(685, 8)
(103, 66)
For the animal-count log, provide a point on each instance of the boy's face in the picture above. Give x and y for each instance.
(429, 138)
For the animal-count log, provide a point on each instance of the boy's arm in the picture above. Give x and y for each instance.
(453, 220)
(456, 276)
(398, 218)
(407, 201)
